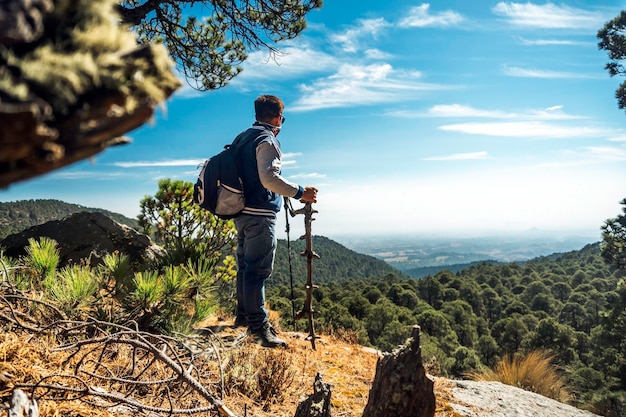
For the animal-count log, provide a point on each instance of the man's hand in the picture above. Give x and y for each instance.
(309, 195)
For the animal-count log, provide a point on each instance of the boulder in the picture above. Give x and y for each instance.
(87, 236)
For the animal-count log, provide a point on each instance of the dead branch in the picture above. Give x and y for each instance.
(110, 365)
(26, 313)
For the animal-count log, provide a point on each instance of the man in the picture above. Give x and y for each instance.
(260, 161)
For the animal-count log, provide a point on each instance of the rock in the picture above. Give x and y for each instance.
(317, 404)
(401, 387)
(494, 399)
(22, 406)
(89, 236)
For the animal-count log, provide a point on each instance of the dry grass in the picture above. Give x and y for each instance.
(287, 375)
(532, 372)
(258, 381)
(348, 367)
(28, 360)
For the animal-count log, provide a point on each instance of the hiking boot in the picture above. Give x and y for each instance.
(240, 321)
(266, 335)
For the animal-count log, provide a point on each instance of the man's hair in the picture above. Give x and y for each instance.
(267, 107)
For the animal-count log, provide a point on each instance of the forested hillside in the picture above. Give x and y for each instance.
(572, 305)
(336, 263)
(19, 215)
(431, 270)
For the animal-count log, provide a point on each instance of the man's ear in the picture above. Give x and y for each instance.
(275, 121)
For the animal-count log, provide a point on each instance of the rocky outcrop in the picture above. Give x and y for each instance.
(88, 236)
(494, 399)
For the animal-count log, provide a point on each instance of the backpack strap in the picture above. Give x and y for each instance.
(239, 144)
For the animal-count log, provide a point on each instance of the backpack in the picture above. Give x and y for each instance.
(219, 187)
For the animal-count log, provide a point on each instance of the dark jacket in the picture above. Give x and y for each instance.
(261, 201)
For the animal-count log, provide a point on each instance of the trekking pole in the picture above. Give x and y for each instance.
(289, 211)
(310, 254)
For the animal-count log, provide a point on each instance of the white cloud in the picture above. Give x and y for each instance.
(289, 160)
(549, 113)
(460, 156)
(607, 153)
(82, 174)
(291, 61)
(312, 175)
(585, 156)
(535, 73)
(460, 110)
(558, 42)
(356, 85)
(420, 16)
(549, 16)
(186, 92)
(527, 129)
(617, 138)
(350, 38)
(170, 163)
(376, 54)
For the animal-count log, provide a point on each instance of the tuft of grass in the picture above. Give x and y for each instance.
(74, 285)
(8, 267)
(262, 376)
(117, 267)
(43, 257)
(534, 372)
(148, 289)
(239, 370)
(274, 376)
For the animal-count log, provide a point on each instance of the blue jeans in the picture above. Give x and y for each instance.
(256, 246)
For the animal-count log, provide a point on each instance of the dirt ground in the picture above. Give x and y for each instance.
(348, 367)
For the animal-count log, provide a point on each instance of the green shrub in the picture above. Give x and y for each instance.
(148, 290)
(43, 257)
(73, 286)
(170, 301)
(116, 267)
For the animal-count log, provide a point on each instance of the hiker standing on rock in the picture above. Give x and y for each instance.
(260, 163)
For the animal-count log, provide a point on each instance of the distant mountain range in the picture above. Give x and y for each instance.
(356, 258)
(420, 256)
(337, 263)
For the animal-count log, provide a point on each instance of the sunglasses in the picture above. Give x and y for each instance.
(282, 119)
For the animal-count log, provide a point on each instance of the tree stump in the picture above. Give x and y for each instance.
(401, 387)
(318, 404)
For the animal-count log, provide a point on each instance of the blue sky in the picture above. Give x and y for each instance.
(450, 118)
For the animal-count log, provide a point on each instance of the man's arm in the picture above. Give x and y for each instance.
(269, 162)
